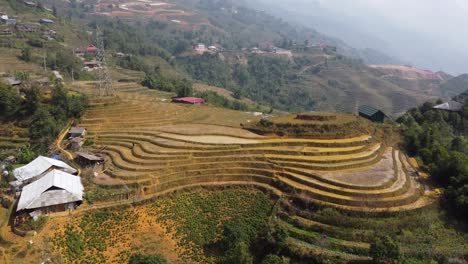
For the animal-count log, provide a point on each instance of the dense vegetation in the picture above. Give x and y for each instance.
(229, 226)
(439, 140)
(264, 79)
(316, 125)
(42, 117)
(182, 87)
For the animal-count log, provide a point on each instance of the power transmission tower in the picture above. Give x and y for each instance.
(104, 78)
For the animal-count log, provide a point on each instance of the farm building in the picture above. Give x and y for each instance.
(8, 20)
(87, 159)
(77, 132)
(55, 192)
(189, 100)
(46, 21)
(91, 65)
(75, 143)
(452, 106)
(200, 48)
(29, 3)
(12, 81)
(91, 49)
(6, 32)
(36, 169)
(371, 113)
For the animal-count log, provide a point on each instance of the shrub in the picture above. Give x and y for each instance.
(146, 259)
(384, 250)
(274, 259)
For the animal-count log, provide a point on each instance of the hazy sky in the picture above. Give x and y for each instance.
(429, 33)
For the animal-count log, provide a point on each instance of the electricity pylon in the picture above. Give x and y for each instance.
(104, 79)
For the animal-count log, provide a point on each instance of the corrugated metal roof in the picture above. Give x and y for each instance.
(12, 81)
(37, 194)
(88, 156)
(368, 110)
(450, 106)
(38, 166)
(77, 130)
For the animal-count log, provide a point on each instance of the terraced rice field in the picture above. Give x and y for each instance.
(155, 147)
(9, 145)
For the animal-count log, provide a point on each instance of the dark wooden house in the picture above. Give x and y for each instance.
(371, 113)
(87, 159)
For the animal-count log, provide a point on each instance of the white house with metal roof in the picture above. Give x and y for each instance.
(56, 191)
(453, 106)
(39, 167)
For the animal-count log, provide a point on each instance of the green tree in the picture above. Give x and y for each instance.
(384, 250)
(146, 259)
(33, 100)
(9, 102)
(22, 75)
(59, 101)
(275, 259)
(77, 105)
(184, 88)
(239, 253)
(26, 54)
(25, 155)
(277, 236)
(42, 130)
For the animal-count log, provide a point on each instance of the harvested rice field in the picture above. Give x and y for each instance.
(154, 148)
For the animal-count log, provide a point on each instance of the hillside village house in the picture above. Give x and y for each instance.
(188, 100)
(37, 169)
(200, 48)
(7, 20)
(371, 113)
(77, 132)
(452, 106)
(91, 65)
(12, 81)
(280, 51)
(75, 144)
(29, 3)
(91, 49)
(56, 191)
(87, 159)
(46, 21)
(6, 32)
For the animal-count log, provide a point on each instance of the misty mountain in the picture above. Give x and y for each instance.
(424, 33)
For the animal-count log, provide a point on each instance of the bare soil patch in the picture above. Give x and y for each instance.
(378, 174)
(197, 129)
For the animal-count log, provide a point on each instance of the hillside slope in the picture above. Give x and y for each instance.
(312, 73)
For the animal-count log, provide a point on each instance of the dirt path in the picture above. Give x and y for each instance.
(58, 145)
(307, 67)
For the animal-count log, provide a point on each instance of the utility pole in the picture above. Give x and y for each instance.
(105, 82)
(44, 59)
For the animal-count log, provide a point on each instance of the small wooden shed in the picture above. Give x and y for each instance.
(88, 159)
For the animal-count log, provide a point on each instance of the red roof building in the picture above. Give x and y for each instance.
(91, 49)
(189, 100)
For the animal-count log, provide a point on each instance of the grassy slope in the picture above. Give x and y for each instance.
(455, 86)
